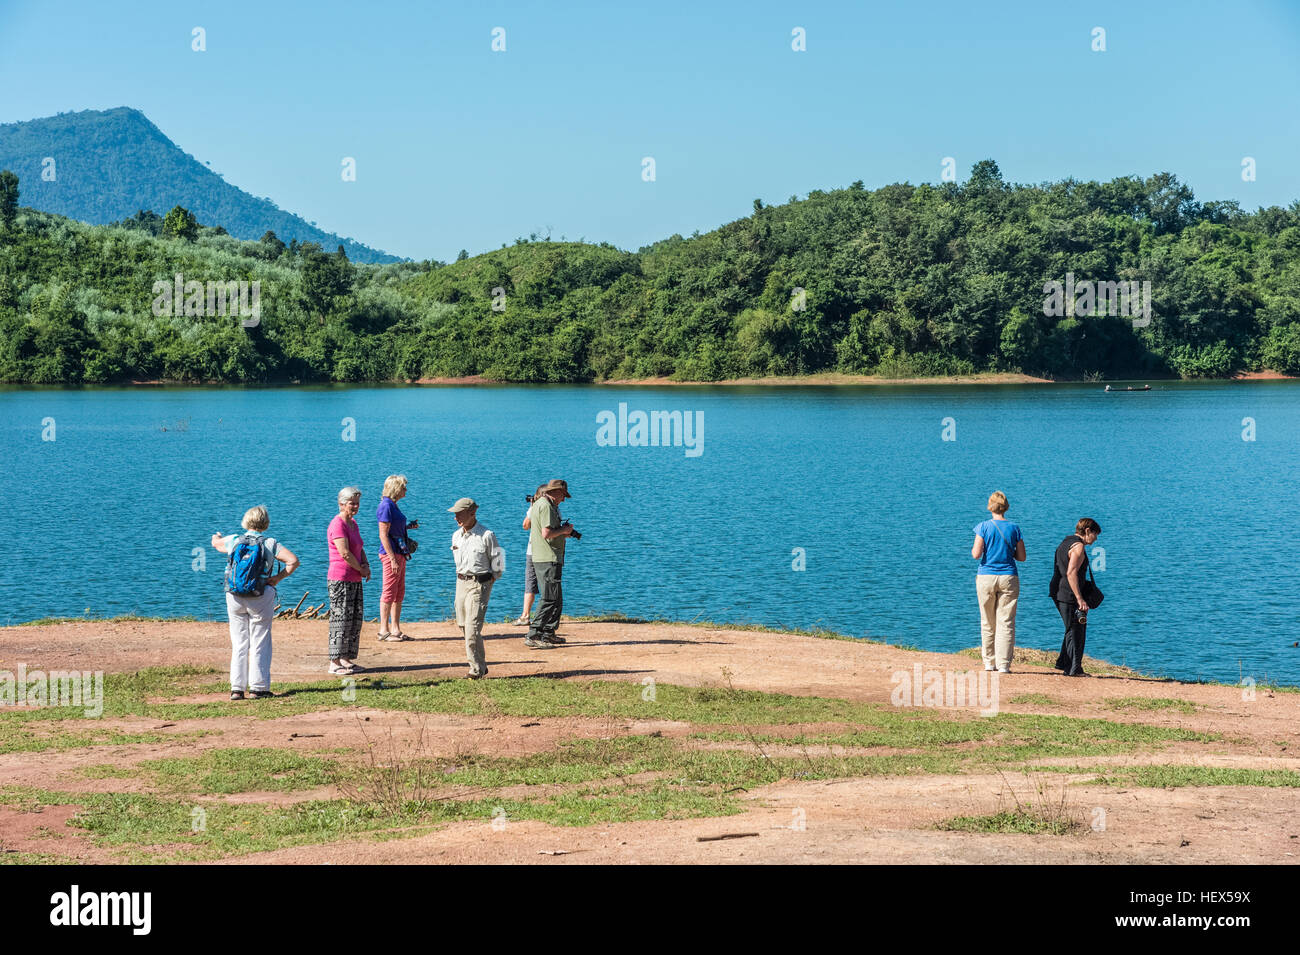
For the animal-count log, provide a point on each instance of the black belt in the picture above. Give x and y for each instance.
(481, 578)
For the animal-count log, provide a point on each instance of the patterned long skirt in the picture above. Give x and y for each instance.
(345, 618)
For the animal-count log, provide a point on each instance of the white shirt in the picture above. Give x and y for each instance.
(476, 551)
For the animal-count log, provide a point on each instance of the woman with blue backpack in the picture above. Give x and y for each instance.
(250, 600)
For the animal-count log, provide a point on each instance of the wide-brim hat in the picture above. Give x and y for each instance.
(557, 485)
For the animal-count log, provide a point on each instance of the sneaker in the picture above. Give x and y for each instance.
(538, 644)
(1004, 669)
(989, 668)
(477, 676)
(236, 694)
(554, 638)
(261, 694)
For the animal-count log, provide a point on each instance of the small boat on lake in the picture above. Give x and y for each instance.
(1129, 388)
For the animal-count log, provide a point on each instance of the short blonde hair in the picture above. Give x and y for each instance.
(256, 519)
(998, 503)
(393, 484)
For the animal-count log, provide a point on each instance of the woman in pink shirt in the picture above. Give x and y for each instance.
(348, 568)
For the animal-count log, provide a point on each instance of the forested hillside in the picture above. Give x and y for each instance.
(102, 166)
(898, 281)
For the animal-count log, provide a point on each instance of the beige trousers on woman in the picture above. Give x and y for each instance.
(998, 594)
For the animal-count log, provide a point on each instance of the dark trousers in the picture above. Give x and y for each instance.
(1071, 658)
(550, 599)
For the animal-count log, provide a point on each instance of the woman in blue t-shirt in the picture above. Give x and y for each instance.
(998, 545)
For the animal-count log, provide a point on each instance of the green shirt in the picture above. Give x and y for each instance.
(545, 514)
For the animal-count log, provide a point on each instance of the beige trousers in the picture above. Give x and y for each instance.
(997, 594)
(471, 608)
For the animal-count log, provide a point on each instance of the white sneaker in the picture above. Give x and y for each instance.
(1007, 670)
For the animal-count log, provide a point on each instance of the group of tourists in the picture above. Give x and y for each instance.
(251, 580)
(998, 546)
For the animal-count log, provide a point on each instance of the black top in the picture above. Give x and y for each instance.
(1061, 589)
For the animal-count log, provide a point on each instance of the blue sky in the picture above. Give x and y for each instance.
(458, 146)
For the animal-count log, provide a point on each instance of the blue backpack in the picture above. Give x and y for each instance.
(247, 569)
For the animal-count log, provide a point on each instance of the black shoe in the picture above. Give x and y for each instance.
(538, 644)
(236, 694)
(261, 694)
(554, 638)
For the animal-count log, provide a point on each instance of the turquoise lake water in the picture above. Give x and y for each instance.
(1199, 526)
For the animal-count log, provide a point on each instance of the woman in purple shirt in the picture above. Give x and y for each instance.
(348, 568)
(394, 551)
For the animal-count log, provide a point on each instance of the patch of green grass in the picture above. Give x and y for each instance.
(1046, 659)
(148, 828)
(1176, 776)
(1006, 737)
(1033, 699)
(18, 737)
(125, 694)
(1150, 703)
(225, 771)
(1018, 820)
(14, 857)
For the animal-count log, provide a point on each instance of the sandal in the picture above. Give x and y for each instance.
(340, 670)
(522, 621)
(392, 637)
(383, 635)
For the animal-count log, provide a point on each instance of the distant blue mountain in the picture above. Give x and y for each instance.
(112, 163)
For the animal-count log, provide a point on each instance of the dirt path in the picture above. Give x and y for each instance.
(871, 819)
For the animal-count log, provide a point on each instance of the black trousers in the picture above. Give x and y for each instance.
(550, 600)
(1071, 658)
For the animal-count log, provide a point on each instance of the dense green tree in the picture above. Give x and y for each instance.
(325, 277)
(180, 223)
(8, 198)
(272, 245)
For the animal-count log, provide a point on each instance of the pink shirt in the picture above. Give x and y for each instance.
(339, 569)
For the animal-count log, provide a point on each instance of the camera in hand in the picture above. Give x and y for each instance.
(529, 498)
(572, 533)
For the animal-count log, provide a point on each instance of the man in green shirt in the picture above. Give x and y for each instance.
(548, 536)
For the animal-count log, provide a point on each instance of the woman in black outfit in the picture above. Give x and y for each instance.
(1067, 591)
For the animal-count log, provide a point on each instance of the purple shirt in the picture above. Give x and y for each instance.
(339, 568)
(390, 514)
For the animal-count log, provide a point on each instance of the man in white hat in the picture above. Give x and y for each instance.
(480, 562)
(549, 534)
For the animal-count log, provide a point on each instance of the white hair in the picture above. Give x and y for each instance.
(348, 493)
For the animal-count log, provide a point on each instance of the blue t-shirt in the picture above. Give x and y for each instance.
(1000, 538)
(388, 513)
